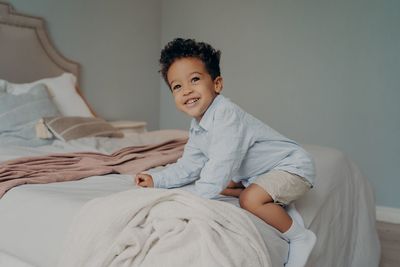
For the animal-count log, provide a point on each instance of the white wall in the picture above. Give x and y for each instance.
(117, 44)
(321, 72)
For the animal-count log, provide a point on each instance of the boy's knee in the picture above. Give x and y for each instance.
(253, 197)
(247, 202)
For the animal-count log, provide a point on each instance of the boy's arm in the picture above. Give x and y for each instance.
(184, 171)
(229, 145)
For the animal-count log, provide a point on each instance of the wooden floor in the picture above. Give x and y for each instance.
(389, 235)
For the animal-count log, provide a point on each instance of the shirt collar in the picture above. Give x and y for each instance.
(207, 119)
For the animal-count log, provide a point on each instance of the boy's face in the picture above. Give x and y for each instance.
(192, 86)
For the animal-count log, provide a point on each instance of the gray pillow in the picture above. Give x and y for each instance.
(19, 114)
(69, 128)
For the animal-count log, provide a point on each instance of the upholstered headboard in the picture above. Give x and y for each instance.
(26, 52)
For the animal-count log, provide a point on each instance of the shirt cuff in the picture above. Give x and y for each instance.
(157, 179)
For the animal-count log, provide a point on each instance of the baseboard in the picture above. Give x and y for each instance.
(386, 214)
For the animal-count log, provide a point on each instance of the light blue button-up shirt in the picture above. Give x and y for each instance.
(230, 144)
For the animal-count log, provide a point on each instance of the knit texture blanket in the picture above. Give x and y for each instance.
(159, 227)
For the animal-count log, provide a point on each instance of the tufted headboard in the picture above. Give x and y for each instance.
(26, 52)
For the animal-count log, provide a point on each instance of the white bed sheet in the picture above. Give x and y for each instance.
(34, 219)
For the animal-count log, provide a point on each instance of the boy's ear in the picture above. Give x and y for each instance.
(218, 84)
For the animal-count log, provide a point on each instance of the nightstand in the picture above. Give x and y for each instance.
(128, 127)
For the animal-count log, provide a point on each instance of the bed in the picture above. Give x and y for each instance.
(39, 222)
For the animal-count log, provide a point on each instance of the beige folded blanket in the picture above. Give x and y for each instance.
(74, 166)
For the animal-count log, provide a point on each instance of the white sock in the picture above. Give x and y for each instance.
(292, 211)
(301, 243)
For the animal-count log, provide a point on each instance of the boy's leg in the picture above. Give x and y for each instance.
(258, 201)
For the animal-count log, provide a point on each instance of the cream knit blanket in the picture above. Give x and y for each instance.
(159, 227)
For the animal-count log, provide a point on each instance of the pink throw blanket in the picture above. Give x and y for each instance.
(75, 166)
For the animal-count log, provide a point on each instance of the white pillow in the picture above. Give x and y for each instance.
(63, 91)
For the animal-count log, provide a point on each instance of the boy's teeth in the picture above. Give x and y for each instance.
(191, 101)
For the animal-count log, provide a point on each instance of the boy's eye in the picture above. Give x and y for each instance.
(176, 87)
(195, 79)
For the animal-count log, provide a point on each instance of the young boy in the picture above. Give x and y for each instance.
(228, 148)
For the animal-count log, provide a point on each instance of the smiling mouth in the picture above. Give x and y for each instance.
(191, 101)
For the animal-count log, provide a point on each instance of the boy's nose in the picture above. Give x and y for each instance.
(187, 90)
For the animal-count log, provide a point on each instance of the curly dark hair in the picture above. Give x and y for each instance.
(182, 48)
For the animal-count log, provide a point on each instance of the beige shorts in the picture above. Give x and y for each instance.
(284, 187)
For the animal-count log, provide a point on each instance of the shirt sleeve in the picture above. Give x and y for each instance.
(230, 142)
(184, 171)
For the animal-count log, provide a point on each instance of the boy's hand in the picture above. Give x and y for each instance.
(233, 189)
(232, 192)
(232, 184)
(144, 180)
